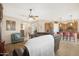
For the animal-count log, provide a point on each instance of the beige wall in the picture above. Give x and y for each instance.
(41, 25)
(6, 35)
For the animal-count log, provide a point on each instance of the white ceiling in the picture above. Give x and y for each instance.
(51, 11)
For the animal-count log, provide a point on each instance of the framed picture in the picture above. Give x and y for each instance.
(13, 25)
(22, 26)
(10, 25)
(7, 25)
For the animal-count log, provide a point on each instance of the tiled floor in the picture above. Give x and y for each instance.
(67, 48)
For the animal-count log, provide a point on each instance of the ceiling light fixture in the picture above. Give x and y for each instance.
(31, 17)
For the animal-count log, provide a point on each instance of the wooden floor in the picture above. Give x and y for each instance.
(66, 48)
(10, 47)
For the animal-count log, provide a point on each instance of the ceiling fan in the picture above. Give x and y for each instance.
(30, 17)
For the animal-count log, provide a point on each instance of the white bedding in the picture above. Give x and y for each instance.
(41, 46)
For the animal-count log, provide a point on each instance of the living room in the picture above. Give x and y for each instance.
(32, 20)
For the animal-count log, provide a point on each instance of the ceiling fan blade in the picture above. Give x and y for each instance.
(23, 15)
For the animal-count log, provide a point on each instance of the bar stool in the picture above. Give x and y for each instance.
(75, 34)
(71, 36)
(65, 35)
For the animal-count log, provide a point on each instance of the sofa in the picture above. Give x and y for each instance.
(16, 37)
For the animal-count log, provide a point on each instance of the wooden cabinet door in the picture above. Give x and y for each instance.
(48, 27)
